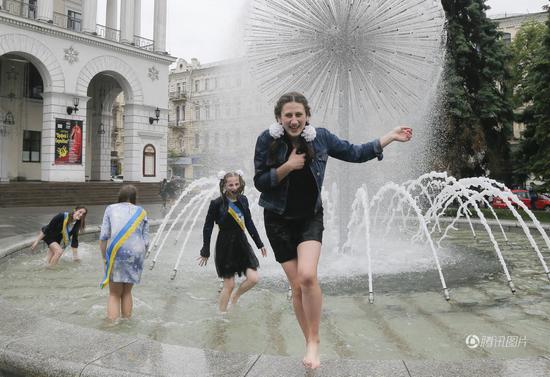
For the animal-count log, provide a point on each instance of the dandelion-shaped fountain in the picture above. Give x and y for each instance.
(358, 61)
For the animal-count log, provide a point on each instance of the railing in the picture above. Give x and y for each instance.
(20, 8)
(107, 33)
(181, 95)
(28, 9)
(143, 43)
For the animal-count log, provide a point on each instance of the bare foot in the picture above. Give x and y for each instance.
(34, 244)
(76, 260)
(312, 359)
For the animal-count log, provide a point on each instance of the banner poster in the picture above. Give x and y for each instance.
(68, 141)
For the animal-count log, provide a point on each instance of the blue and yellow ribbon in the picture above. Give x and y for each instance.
(117, 242)
(236, 213)
(65, 230)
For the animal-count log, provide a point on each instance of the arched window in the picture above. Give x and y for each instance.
(149, 161)
(177, 115)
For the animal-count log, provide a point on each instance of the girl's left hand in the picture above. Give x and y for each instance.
(202, 261)
(402, 133)
(264, 251)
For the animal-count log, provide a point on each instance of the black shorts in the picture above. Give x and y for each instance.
(286, 234)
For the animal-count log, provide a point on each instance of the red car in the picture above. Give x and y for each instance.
(543, 201)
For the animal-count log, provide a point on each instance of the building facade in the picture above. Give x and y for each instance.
(60, 73)
(215, 115)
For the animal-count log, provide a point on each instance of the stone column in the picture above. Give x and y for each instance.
(89, 16)
(127, 21)
(45, 11)
(55, 106)
(159, 31)
(137, 18)
(111, 21)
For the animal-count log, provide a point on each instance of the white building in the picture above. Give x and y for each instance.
(215, 116)
(60, 73)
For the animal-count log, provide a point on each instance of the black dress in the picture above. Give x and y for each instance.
(52, 231)
(233, 252)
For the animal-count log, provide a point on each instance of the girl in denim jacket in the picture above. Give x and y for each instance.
(290, 161)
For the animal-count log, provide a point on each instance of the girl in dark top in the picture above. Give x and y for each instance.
(62, 230)
(290, 160)
(233, 252)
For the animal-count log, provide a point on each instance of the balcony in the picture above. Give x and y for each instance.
(20, 8)
(178, 96)
(27, 9)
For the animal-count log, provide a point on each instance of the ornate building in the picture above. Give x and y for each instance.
(60, 73)
(214, 112)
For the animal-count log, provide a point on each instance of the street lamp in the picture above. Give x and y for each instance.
(74, 108)
(157, 114)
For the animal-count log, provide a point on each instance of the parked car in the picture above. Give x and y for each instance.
(117, 178)
(543, 201)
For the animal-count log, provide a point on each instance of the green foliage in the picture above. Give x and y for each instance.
(524, 49)
(477, 107)
(534, 149)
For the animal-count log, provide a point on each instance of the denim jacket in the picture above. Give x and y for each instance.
(274, 194)
(216, 213)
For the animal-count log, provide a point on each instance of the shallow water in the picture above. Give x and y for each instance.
(409, 320)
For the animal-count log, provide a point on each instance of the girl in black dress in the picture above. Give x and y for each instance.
(61, 231)
(234, 255)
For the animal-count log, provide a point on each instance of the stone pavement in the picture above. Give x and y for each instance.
(31, 345)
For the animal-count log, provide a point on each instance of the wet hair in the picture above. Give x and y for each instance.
(303, 146)
(82, 219)
(224, 179)
(127, 193)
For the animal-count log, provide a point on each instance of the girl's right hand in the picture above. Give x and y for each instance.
(202, 261)
(296, 161)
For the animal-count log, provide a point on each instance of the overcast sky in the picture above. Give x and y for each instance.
(205, 29)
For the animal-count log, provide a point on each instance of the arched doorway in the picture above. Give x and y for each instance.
(21, 117)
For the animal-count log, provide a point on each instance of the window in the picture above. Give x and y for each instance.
(183, 113)
(206, 84)
(197, 112)
(197, 139)
(35, 86)
(31, 146)
(197, 84)
(216, 111)
(74, 20)
(149, 157)
(207, 111)
(177, 115)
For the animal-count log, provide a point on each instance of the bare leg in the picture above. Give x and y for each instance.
(56, 252)
(39, 238)
(49, 256)
(312, 298)
(251, 280)
(114, 301)
(126, 300)
(291, 271)
(228, 285)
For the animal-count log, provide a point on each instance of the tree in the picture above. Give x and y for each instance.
(534, 151)
(524, 50)
(477, 108)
